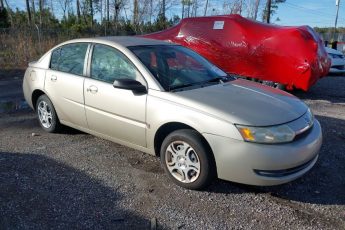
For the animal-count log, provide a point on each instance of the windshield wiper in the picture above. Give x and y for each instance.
(222, 79)
(181, 86)
(217, 80)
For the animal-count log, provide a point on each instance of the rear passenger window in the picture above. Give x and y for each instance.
(69, 58)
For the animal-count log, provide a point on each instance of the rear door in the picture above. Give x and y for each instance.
(117, 113)
(65, 81)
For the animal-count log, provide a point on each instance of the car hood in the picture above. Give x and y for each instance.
(333, 51)
(244, 102)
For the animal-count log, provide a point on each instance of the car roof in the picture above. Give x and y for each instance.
(125, 41)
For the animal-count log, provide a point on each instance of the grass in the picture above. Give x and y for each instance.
(18, 48)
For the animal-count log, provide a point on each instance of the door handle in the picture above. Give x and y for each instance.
(53, 78)
(92, 89)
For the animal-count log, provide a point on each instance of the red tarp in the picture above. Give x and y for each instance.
(293, 56)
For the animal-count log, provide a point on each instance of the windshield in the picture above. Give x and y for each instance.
(177, 67)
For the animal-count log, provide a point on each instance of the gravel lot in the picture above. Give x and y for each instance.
(75, 180)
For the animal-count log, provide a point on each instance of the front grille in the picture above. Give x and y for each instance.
(283, 172)
(339, 67)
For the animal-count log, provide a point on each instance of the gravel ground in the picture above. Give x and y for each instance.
(75, 180)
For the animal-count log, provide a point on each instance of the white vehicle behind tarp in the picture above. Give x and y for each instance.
(338, 60)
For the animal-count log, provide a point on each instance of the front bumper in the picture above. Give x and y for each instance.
(242, 162)
(337, 70)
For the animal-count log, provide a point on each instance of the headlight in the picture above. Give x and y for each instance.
(268, 135)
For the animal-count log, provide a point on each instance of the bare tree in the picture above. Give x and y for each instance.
(41, 7)
(183, 4)
(163, 9)
(118, 4)
(51, 7)
(135, 12)
(78, 11)
(206, 5)
(64, 6)
(28, 11)
(33, 10)
(91, 12)
(233, 7)
(107, 9)
(8, 10)
(195, 6)
(257, 3)
(151, 10)
(186, 7)
(100, 9)
(268, 11)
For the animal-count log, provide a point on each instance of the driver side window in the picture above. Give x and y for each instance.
(109, 64)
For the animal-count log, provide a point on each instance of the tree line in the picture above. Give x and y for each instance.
(134, 16)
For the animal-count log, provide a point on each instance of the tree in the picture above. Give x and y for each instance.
(4, 23)
(64, 6)
(233, 7)
(8, 10)
(186, 5)
(257, 3)
(195, 6)
(33, 11)
(28, 11)
(136, 13)
(91, 12)
(206, 5)
(118, 4)
(41, 7)
(78, 11)
(270, 9)
(163, 9)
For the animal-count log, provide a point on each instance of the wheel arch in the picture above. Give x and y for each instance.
(164, 130)
(35, 95)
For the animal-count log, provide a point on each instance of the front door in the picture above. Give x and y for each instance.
(117, 113)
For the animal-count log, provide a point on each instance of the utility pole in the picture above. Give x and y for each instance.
(268, 8)
(337, 3)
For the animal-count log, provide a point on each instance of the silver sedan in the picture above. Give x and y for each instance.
(166, 100)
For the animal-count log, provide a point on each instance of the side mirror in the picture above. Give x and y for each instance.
(130, 84)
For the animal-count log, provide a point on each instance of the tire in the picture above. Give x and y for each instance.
(47, 115)
(280, 86)
(187, 159)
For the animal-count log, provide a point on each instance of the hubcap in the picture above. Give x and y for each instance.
(45, 114)
(182, 161)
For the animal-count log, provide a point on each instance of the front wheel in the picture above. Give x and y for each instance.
(274, 84)
(47, 115)
(187, 159)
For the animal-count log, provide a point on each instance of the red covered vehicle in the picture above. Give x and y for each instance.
(291, 56)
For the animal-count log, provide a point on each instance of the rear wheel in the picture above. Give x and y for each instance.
(187, 159)
(47, 115)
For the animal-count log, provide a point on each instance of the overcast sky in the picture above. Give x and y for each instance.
(319, 13)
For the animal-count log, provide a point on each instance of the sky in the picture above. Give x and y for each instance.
(315, 13)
